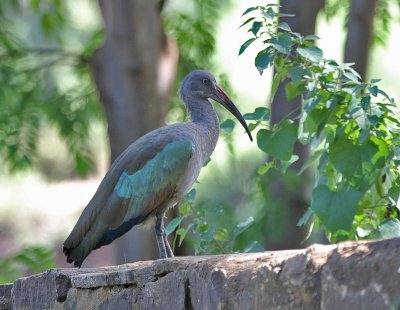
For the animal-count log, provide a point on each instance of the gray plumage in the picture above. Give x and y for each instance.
(153, 173)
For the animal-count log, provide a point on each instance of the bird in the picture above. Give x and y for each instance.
(153, 173)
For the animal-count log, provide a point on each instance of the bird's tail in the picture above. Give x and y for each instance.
(77, 249)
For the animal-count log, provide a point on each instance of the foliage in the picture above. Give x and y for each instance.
(351, 127)
(383, 17)
(29, 260)
(209, 238)
(194, 28)
(31, 96)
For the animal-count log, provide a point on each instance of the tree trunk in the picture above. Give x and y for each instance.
(295, 199)
(134, 71)
(360, 29)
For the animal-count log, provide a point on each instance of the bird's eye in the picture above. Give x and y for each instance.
(205, 81)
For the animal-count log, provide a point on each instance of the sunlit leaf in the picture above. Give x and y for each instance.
(221, 234)
(311, 53)
(305, 218)
(312, 37)
(284, 26)
(265, 168)
(282, 43)
(254, 247)
(390, 228)
(184, 209)
(242, 226)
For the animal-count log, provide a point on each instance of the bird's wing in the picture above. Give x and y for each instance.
(133, 193)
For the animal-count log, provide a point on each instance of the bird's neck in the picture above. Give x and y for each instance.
(203, 115)
(202, 112)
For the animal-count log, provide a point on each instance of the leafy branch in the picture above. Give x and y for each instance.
(209, 239)
(351, 127)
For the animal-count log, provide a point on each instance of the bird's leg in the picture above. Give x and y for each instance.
(170, 253)
(160, 235)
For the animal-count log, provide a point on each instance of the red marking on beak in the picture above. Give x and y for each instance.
(222, 92)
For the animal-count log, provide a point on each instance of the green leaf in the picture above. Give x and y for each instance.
(390, 228)
(284, 26)
(312, 37)
(228, 125)
(254, 247)
(204, 227)
(305, 218)
(311, 53)
(296, 73)
(309, 122)
(394, 193)
(259, 114)
(173, 224)
(351, 76)
(285, 164)
(264, 59)
(269, 13)
(256, 27)
(181, 232)
(360, 164)
(247, 21)
(251, 9)
(284, 15)
(335, 210)
(253, 126)
(391, 100)
(191, 195)
(207, 162)
(278, 143)
(365, 102)
(246, 45)
(282, 43)
(265, 168)
(294, 89)
(373, 90)
(310, 161)
(184, 209)
(275, 84)
(241, 227)
(221, 234)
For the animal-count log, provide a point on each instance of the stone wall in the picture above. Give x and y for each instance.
(351, 275)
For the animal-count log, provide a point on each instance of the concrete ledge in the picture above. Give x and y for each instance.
(350, 275)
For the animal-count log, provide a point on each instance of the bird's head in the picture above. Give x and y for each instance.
(202, 84)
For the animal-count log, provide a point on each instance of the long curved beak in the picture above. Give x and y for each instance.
(223, 99)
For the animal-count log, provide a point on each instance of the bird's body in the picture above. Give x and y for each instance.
(151, 175)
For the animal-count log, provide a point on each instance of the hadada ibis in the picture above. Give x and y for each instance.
(153, 173)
